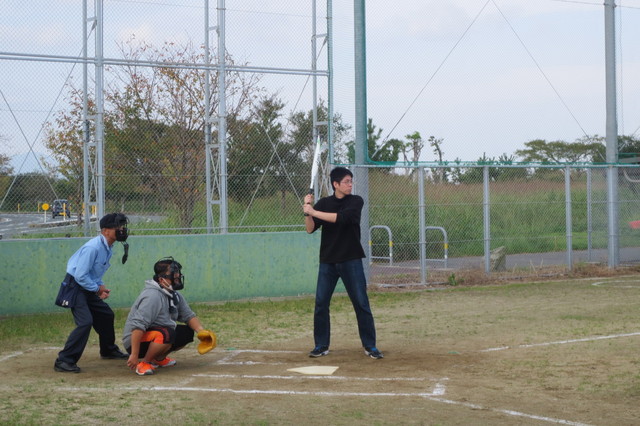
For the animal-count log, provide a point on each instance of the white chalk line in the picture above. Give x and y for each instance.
(19, 353)
(436, 392)
(435, 396)
(561, 342)
(510, 412)
(233, 352)
(249, 376)
(604, 283)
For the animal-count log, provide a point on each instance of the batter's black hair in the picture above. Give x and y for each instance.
(338, 173)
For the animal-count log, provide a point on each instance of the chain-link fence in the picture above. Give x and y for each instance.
(157, 121)
(509, 220)
(133, 101)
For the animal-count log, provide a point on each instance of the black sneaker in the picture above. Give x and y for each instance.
(319, 351)
(373, 353)
(115, 354)
(65, 367)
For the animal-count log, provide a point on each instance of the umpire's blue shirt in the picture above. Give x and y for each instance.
(90, 262)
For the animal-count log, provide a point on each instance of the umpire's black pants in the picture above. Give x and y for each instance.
(89, 311)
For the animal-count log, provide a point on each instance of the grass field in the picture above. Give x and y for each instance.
(554, 352)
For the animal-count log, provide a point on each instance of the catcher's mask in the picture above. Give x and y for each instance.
(122, 232)
(118, 221)
(174, 275)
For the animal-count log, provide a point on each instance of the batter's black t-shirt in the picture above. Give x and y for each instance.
(340, 241)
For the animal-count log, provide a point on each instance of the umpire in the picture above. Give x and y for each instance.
(85, 270)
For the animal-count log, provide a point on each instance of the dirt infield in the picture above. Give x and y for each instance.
(536, 353)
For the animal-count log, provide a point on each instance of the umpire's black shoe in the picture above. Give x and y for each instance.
(114, 354)
(66, 367)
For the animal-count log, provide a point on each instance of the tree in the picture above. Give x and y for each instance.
(175, 97)
(497, 173)
(154, 126)
(629, 152)
(436, 144)
(64, 139)
(5, 165)
(583, 150)
(301, 137)
(414, 145)
(589, 149)
(5, 174)
(628, 147)
(510, 173)
(256, 151)
(380, 152)
(28, 190)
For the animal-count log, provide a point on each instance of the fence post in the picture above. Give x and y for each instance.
(568, 221)
(589, 224)
(487, 220)
(421, 219)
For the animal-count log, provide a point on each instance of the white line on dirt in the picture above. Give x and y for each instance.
(256, 391)
(249, 376)
(11, 355)
(605, 283)
(561, 342)
(433, 396)
(510, 412)
(263, 351)
(226, 360)
(17, 354)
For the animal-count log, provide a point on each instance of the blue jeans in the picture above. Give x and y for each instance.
(352, 275)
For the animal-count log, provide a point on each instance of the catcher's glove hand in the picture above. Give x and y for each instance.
(207, 341)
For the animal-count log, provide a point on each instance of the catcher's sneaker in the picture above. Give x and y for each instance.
(144, 369)
(373, 353)
(319, 351)
(167, 362)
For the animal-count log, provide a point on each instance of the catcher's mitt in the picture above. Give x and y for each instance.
(207, 341)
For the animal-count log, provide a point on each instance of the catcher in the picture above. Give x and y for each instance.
(151, 331)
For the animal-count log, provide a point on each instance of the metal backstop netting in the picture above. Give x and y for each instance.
(202, 117)
(196, 116)
(509, 221)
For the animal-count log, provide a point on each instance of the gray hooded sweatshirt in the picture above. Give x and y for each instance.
(151, 309)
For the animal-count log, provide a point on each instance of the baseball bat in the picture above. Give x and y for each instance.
(315, 165)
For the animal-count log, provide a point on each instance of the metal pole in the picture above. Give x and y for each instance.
(568, 219)
(421, 227)
(486, 219)
(330, 78)
(207, 116)
(362, 173)
(86, 194)
(314, 84)
(589, 217)
(100, 196)
(611, 132)
(222, 118)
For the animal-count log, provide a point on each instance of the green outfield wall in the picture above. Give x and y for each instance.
(216, 268)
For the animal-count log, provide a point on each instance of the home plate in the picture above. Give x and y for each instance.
(323, 370)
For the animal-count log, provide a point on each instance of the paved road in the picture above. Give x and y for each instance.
(628, 255)
(13, 225)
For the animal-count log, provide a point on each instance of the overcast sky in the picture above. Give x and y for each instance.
(484, 76)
